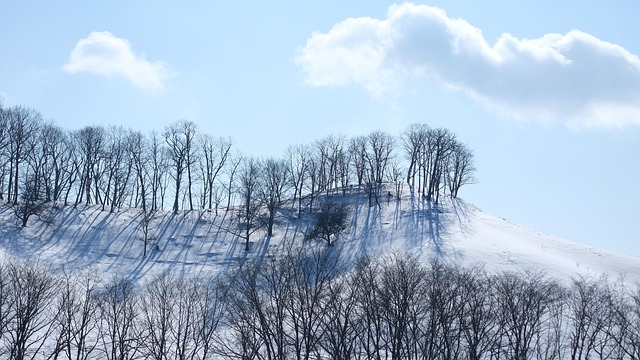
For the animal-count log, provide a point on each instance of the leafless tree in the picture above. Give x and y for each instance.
(378, 155)
(91, 142)
(525, 300)
(119, 166)
(444, 295)
(235, 161)
(312, 184)
(624, 305)
(159, 163)
(23, 124)
(58, 171)
(297, 158)
(369, 312)
(215, 153)
(6, 301)
(137, 151)
(341, 326)
(401, 289)
(32, 201)
(321, 149)
(479, 320)
(248, 188)
(31, 290)
(157, 307)
(273, 179)
(335, 153)
(210, 307)
(310, 273)
(358, 151)
(180, 137)
(76, 325)
(258, 311)
(438, 147)
(460, 168)
(330, 221)
(119, 313)
(414, 139)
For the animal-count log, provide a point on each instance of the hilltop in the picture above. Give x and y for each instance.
(198, 243)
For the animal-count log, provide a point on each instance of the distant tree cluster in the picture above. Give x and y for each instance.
(181, 168)
(437, 160)
(309, 304)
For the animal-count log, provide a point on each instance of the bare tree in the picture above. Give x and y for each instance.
(369, 311)
(91, 142)
(119, 166)
(378, 155)
(235, 160)
(157, 308)
(414, 140)
(525, 301)
(624, 305)
(215, 153)
(400, 292)
(6, 300)
(137, 148)
(211, 304)
(257, 311)
(147, 216)
(118, 304)
(479, 321)
(58, 171)
(31, 291)
(439, 145)
(273, 180)
(460, 168)
(180, 139)
(23, 124)
(248, 188)
(310, 273)
(32, 201)
(159, 163)
(4, 154)
(331, 221)
(358, 151)
(341, 326)
(77, 322)
(297, 158)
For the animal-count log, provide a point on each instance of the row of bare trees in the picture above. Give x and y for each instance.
(308, 304)
(79, 316)
(40, 162)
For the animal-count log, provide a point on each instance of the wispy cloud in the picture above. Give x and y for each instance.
(103, 53)
(575, 78)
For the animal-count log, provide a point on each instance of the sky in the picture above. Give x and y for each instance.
(546, 93)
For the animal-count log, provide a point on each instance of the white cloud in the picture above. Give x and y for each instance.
(575, 78)
(103, 53)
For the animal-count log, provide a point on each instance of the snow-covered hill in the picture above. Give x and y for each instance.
(199, 243)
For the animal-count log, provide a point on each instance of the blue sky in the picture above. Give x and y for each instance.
(546, 93)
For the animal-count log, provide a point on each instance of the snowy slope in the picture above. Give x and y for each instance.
(198, 243)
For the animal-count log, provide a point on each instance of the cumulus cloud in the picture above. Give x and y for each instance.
(574, 77)
(103, 53)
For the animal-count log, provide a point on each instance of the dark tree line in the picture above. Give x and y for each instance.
(308, 304)
(114, 167)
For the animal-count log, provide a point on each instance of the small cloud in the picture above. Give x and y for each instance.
(575, 78)
(102, 53)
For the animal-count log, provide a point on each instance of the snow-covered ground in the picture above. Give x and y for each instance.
(198, 243)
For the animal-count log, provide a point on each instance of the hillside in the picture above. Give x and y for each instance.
(199, 243)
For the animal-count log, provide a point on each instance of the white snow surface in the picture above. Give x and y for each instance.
(199, 243)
